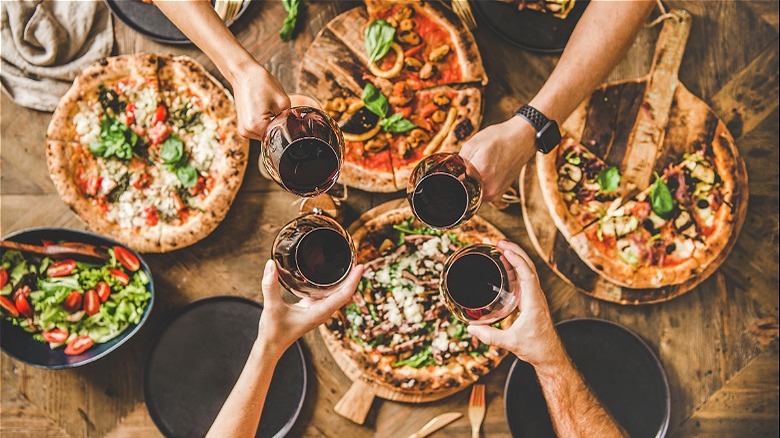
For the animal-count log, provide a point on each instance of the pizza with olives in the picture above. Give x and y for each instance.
(144, 148)
(402, 79)
(397, 329)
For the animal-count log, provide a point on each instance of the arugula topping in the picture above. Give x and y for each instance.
(379, 37)
(376, 102)
(608, 179)
(420, 359)
(661, 198)
(572, 158)
(172, 154)
(396, 124)
(116, 139)
(288, 28)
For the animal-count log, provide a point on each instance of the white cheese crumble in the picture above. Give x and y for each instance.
(441, 342)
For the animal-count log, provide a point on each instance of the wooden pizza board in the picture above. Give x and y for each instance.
(356, 402)
(619, 117)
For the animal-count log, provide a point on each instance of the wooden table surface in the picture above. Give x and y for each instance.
(717, 343)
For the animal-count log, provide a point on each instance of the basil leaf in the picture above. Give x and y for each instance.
(396, 124)
(661, 199)
(375, 101)
(172, 150)
(187, 175)
(379, 37)
(609, 179)
(288, 27)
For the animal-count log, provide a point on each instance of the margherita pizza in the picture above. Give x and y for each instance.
(402, 80)
(397, 329)
(144, 149)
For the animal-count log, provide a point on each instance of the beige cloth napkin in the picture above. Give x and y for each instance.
(45, 44)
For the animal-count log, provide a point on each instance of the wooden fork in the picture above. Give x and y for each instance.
(477, 409)
(463, 10)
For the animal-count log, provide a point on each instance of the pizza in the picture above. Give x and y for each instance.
(422, 95)
(668, 233)
(144, 148)
(557, 8)
(397, 329)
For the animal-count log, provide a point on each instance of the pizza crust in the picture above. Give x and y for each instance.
(547, 172)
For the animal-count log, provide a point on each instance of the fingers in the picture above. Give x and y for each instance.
(489, 335)
(271, 290)
(342, 295)
(255, 129)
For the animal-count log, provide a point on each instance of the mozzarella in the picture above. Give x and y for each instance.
(87, 123)
(441, 342)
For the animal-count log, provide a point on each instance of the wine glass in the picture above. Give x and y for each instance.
(478, 285)
(313, 254)
(444, 190)
(303, 151)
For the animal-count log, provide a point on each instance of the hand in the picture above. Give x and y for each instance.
(499, 152)
(281, 324)
(532, 337)
(259, 97)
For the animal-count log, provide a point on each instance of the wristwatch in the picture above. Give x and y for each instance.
(547, 133)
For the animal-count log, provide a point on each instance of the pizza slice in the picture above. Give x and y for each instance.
(557, 8)
(424, 44)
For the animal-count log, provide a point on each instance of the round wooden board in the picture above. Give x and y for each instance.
(349, 365)
(608, 122)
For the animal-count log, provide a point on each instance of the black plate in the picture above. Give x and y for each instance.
(532, 30)
(20, 345)
(197, 359)
(147, 20)
(617, 364)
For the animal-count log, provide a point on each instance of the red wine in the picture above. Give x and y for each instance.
(473, 281)
(440, 200)
(307, 165)
(323, 256)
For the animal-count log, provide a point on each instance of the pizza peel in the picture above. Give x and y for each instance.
(641, 126)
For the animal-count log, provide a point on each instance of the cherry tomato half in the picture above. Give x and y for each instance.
(79, 345)
(91, 302)
(3, 277)
(103, 291)
(127, 258)
(61, 268)
(160, 114)
(24, 290)
(8, 306)
(55, 335)
(120, 275)
(72, 302)
(22, 305)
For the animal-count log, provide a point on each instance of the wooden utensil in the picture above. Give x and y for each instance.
(68, 249)
(641, 126)
(477, 409)
(435, 424)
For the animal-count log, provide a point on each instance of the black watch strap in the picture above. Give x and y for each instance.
(547, 133)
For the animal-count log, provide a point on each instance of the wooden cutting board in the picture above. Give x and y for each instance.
(640, 126)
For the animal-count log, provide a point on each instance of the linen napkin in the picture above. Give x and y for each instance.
(45, 44)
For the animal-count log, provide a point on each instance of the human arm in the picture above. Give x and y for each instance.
(281, 324)
(574, 409)
(600, 39)
(259, 96)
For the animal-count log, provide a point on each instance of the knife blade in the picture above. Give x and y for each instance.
(436, 423)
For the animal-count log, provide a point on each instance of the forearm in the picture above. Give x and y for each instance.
(198, 20)
(574, 409)
(600, 40)
(240, 415)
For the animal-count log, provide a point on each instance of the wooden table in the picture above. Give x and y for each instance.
(718, 343)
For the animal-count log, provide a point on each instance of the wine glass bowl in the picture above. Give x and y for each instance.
(444, 190)
(313, 255)
(303, 151)
(479, 285)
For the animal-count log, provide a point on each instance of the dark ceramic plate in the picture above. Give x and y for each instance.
(197, 359)
(147, 20)
(20, 345)
(617, 364)
(532, 30)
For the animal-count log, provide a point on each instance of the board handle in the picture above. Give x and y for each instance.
(669, 49)
(356, 403)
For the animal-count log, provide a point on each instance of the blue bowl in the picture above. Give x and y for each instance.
(20, 345)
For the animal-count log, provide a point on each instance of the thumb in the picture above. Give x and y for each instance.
(270, 285)
(489, 335)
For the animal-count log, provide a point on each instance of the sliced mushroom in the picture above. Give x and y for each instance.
(404, 13)
(417, 137)
(413, 64)
(703, 173)
(439, 116)
(439, 53)
(569, 176)
(402, 148)
(441, 100)
(427, 71)
(376, 144)
(409, 37)
(683, 221)
(406, 24)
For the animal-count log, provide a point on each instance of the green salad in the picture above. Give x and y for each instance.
(76, 304)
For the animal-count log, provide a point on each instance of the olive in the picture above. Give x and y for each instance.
(702, 204)
(670, 248)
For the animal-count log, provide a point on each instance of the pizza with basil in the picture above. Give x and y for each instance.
(403, 79)
(397, 329)
(144, 148)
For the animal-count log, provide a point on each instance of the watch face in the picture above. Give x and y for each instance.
(548, 137)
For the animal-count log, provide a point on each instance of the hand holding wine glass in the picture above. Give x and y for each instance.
(532, 337)
(259, 98)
